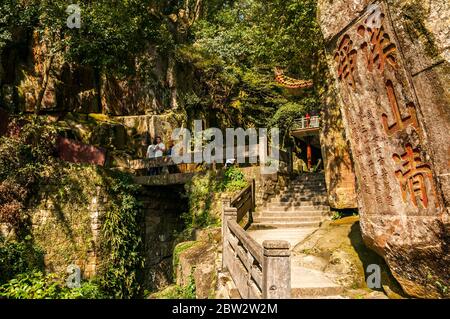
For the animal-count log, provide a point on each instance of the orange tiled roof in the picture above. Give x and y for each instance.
(291, 83)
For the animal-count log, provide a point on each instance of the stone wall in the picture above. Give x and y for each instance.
(266, 185)
(68, 232)
(390, 61)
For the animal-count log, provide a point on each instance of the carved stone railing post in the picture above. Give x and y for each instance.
(276, 270)
(228, 213)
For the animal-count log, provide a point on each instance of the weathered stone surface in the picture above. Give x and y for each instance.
(142, 129)
(337, 250)
(338, 165)
(198, 263)
(397, 122)
(70, 87)
(76, 152)
(336, 15)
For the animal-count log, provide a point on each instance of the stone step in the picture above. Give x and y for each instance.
(278, 204)
(317, 292)
(302, 181)
(312, 283)
(304, 192)
(301, 195)
(282, 218)
(289, 214)
(299, 199)
(304, 187)
(281, 225)
(309, 177)
(296, 205)
(298, 202)
(298, 210)
(226, 287)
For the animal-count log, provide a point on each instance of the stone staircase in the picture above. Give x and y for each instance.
(302, 204)
(291, 215)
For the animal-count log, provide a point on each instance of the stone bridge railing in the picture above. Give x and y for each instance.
(258, 271)
(285, 160)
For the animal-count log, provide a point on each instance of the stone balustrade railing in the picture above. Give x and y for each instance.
(304, 123)
(285, 162)
(258, 271)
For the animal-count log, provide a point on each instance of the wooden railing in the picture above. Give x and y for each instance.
(258, 271)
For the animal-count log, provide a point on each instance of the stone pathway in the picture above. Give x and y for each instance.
(306, 282)
(295, 213)
(292, 235)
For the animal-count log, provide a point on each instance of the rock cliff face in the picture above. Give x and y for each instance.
(28, 71)
(338, 165)
(390, 60)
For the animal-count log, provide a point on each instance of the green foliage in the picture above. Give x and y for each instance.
(15, 15)
(33, 285)
(233, 180)
(179, 292)
(122, 239)
(18, 257)
(36, 285)
(24, 157)
(189, 291)
(201, 192)
(339, 214)
(112, 32)
(236, 45)
(88, 290)
(26, 164)
(181, 247)
(204, 192)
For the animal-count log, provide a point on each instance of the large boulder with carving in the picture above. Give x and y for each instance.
(390, 61)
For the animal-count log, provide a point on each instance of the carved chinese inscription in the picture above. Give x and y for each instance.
(399, 122)
(362, 50)
(378, 48)
(346, 59)
(412, 176)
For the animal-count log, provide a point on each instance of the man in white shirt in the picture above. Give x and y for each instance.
(156, 150)
(160, 148)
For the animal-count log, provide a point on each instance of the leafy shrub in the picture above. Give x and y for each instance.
(122, 239)
(179, 292)
(234, 179)
(88, 290)
(36, 285)
(24, 155)
(18, 257)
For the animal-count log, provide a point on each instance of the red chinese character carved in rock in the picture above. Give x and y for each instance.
(378, 49)
(412, 176)
(399, 122)
(345, 57)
